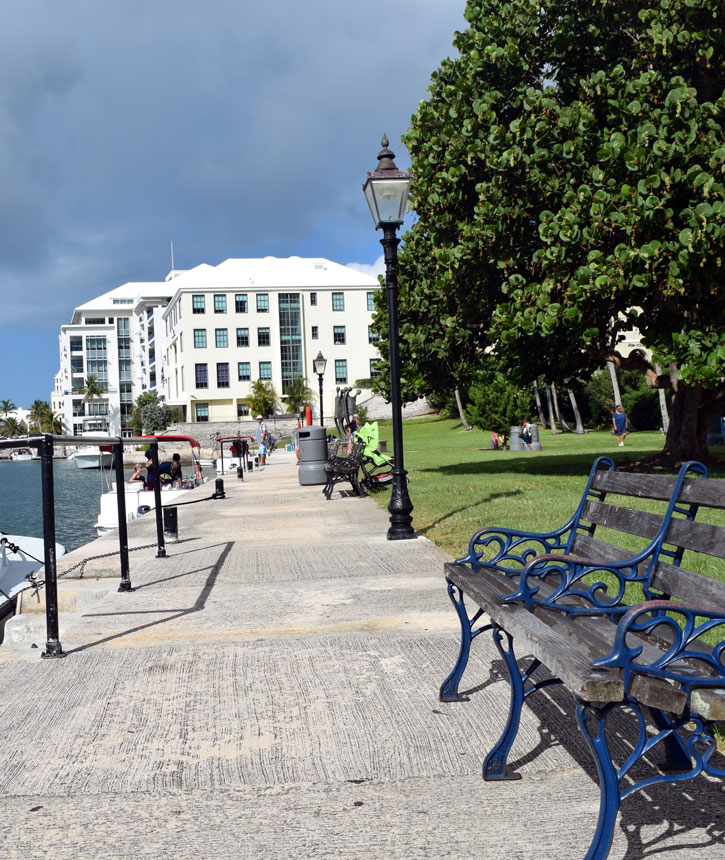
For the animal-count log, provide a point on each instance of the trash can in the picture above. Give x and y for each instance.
(313, 455)
(514, 441)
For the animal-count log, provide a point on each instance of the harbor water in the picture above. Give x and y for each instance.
(77, 500)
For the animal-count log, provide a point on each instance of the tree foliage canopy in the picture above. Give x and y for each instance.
(568, 179)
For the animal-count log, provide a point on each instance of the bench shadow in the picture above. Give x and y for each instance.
(576, 465)
(670, 810)
(197, 606)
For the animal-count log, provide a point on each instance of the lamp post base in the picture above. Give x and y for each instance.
(400, 508)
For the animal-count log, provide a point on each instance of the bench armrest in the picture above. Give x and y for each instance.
(578, 587)
(513, 545)
(685, 661)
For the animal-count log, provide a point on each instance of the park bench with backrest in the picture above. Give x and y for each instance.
(621, 629)
(343, 468)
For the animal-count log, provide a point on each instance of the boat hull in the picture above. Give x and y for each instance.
(93, 459)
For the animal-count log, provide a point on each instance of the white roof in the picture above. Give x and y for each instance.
(133, 290)
(274, 273)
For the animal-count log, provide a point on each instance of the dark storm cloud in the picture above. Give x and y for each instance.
(233, 128)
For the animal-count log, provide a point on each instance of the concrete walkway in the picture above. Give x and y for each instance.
(269, 690)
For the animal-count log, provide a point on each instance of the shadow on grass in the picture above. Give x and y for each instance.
(467, 507)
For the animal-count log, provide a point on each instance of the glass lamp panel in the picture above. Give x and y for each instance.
(320, 364)
(391, 196)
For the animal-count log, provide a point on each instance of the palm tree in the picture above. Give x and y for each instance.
(56, 424)
(38, 415)
(92, 389)
(11, 427)
(297, 394)
(6, 407)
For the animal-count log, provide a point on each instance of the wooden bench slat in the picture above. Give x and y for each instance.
(628, 520)
(700, 537)
(699, 491)
(688, 586)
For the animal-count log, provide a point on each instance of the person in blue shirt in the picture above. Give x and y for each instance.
(620, 424)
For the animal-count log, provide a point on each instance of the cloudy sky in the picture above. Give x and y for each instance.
(233, 128)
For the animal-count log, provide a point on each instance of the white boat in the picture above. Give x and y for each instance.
(231, 458)
(20, 561)
(22, 454)
(91, 457)
(139, 499)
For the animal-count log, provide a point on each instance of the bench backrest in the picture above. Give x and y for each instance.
(670, 533)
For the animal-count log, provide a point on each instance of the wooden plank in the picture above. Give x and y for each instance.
(688, 586)
(621, 519)
(700, 537)
(708, 492)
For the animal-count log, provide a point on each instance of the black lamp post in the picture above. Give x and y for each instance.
(386, 191)
(320, 363)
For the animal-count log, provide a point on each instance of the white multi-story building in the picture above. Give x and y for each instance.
(229, 325)
(98, 342)
(203, 336)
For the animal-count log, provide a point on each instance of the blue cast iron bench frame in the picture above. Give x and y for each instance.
(620, 629)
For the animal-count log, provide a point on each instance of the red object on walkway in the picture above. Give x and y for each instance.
(308, 416)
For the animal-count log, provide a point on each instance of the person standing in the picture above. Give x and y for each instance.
(620, 423)
(261, 434)
(525, 435)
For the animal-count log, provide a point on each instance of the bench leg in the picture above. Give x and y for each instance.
(494, 765)
(677, 757)
(592, 722)
(449, 688)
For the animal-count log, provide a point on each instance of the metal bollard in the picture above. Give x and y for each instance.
(250, 467)
(171, 523)
(240, 473)
(219, 489)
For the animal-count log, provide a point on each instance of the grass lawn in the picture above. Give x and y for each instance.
(458, 484)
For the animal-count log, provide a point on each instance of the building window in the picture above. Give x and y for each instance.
(197, 304)
(338, 301)
(373, 336)
(263, 337)
(338, 334)
(242, 410)
(76, 364)
(374, 367)
(76, 344)
(244, 371)
(240, 303)
(202, 412)
(290, 338)
(221, 339)
(340, 371)
(242, 337)
(262, 303)
(371, 301)
(220, 304)
(313, 299)
(202, 376)
(200, 338)
(222, 375)
(315, 332)
(265, 369)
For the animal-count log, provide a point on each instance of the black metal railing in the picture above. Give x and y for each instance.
(45, 444)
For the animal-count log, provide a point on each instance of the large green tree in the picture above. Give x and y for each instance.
(568, 181)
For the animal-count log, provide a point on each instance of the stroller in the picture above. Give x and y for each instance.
(376, 469)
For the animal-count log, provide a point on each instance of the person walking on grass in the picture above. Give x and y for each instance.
(525, 436)
(620, 424)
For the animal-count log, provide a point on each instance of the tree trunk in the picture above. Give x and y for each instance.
(615, 384)
(552, 422)
(539, 409)
(687, 434)
(564, 426)
(577, 416)
(461, 413)
(663, 403)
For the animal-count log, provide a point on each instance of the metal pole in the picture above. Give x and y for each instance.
(319, 378)
(53, 648)
(157, 500)
(400, 506)
(122, 525)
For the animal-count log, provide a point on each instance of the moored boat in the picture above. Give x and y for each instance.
(20, 560)
(93, 457)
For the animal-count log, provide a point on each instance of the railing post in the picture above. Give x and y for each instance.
(157, 500)
(122, 524)
(53, 648)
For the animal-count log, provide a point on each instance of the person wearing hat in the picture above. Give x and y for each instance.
(261, 437)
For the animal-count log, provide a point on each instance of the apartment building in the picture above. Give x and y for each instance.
(113, 338)
(246, 319)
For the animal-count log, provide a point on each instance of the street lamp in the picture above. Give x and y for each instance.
(386, 191)
(320, 363)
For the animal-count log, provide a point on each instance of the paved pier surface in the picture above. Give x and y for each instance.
(269, 690)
